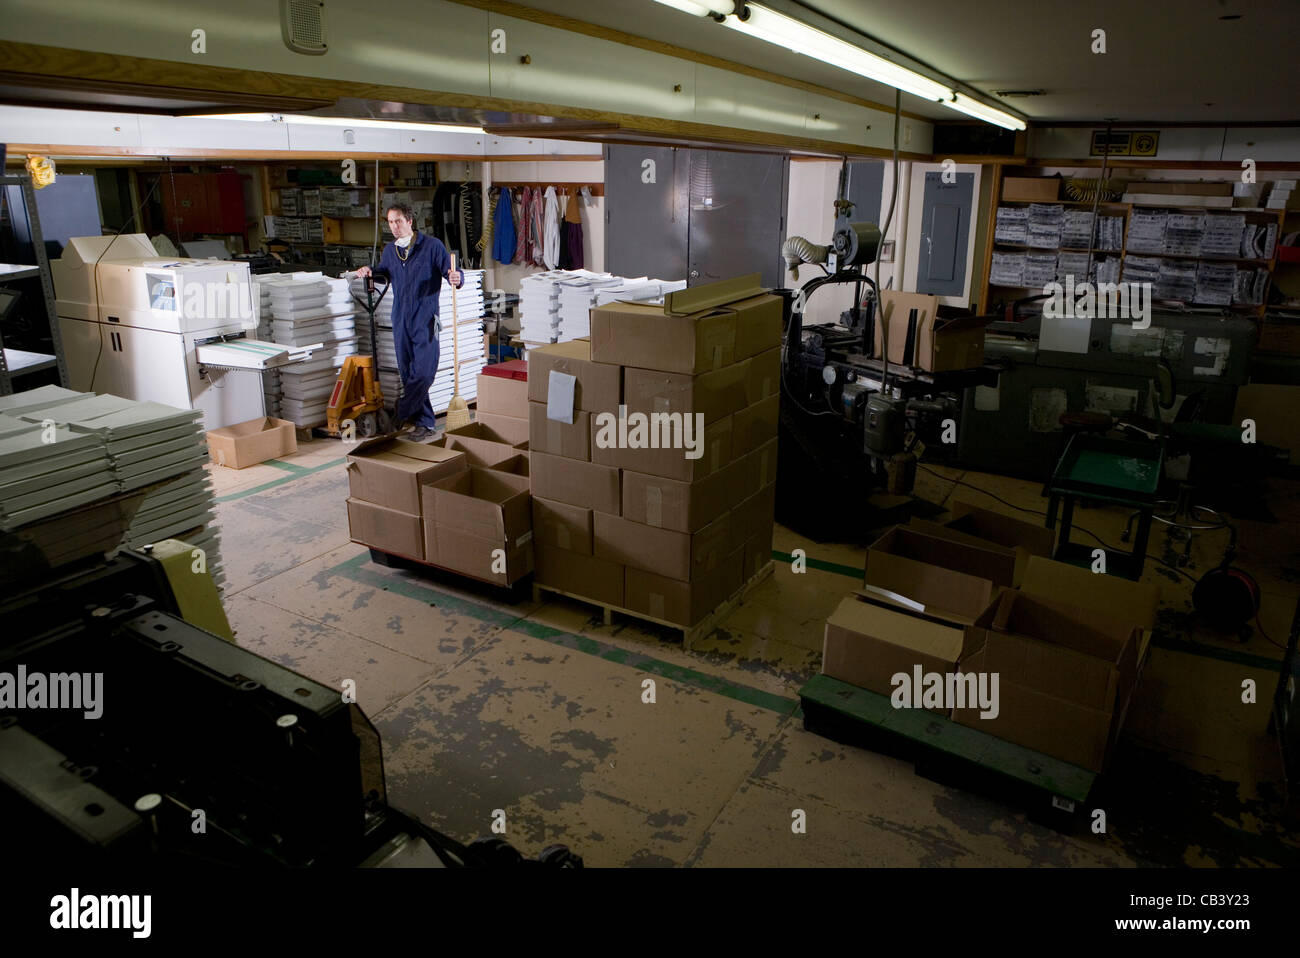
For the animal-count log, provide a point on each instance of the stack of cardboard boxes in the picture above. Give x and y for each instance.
(502, 403)
(978, 595)
(634, 506)
(463, 505)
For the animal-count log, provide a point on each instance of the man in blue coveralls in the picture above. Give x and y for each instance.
(414, 265)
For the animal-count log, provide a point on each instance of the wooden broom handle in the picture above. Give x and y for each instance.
(455, 336)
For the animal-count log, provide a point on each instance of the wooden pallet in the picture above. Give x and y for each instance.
(689, 632)
(399, 560)
(1053, 792)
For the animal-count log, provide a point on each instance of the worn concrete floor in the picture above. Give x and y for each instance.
(535, 711)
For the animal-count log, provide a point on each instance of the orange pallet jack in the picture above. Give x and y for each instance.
(357, 397)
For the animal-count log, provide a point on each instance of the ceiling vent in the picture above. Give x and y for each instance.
(1019, 92)
(302, 24)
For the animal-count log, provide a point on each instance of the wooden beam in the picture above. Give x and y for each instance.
(561, 22)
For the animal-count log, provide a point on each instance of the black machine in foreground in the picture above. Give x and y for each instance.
(853, 423)
(202, 752)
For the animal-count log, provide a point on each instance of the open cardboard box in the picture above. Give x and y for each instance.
(954, 579)
(482, 502)
(695, 330)
(481, 444)
(940, 344)
(995, 532)
(248, 443)
(1066, 674)
(389, 472)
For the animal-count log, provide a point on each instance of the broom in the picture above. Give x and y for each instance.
(457, 409)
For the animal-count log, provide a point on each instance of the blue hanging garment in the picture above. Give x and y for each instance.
(503, 233)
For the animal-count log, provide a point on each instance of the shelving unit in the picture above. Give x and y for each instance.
(17, 279)
(991, 290)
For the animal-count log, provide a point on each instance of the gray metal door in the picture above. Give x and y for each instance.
(646, 213)
(737, 215)
(866, 189)
(945, 229)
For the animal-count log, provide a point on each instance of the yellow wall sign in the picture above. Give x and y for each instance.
(1125, 142)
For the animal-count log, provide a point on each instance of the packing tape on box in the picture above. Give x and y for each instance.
(654, 506)
(717, 357)
(524, 539)
(656, 605)
(562, 537)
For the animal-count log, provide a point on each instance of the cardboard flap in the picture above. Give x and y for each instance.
(696, 299)
(897, 627)
(1130, 603)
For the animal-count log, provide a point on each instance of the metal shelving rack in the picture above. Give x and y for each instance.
(14, 361)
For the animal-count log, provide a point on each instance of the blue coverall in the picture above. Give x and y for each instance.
(416, 282)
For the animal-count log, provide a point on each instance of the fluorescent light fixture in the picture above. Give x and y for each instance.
(787, 32)
(982, 111)
(687, 6)
(341, 122)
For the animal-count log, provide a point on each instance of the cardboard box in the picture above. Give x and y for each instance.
(941, 344)
(515, 465)
(696, 330)
(674, 555)
(562, 526)
(390, 472)
(1124, 601)
(1277, 335)
(586, 484)
(502, 396)
(713, 394)
(483, 503)
(586, 576)
(599, 386)
(755, 425)
(571, 440)
(762, 464)
(1273, 409)
(995, 532)
(671, 463)
(482, 444)
(510, 369)
(763, 377)
(684, 506)
(755, 513)
(385, 529)
(248, 443)
(954, 580)
(682, 603)
(512, 430)
(867, 642)
(1065, 673)
(1031, 189)
(480, 558)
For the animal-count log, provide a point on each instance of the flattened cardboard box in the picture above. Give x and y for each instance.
(670, 463)
(940, 344)
(868, 642)
(586, 484)
(948, 578)
(714, 394)
(385, 529)
(483, 503)
(502, 396)
(571, 440)
(512, 430)
(475, 557)
(599, 386)
(562, 526)
(682, 603)
(580, 575)
(248, 443)
(390, 472)
(684, 506)
(674, 555)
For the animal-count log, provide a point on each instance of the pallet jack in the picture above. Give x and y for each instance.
(357, 396)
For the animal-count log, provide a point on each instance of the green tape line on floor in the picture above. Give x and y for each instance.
(286, 466)
(358, 570)
(299, 474)
(853, 572)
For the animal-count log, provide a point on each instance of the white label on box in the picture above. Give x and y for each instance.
(560, 389)
(1062, 803)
